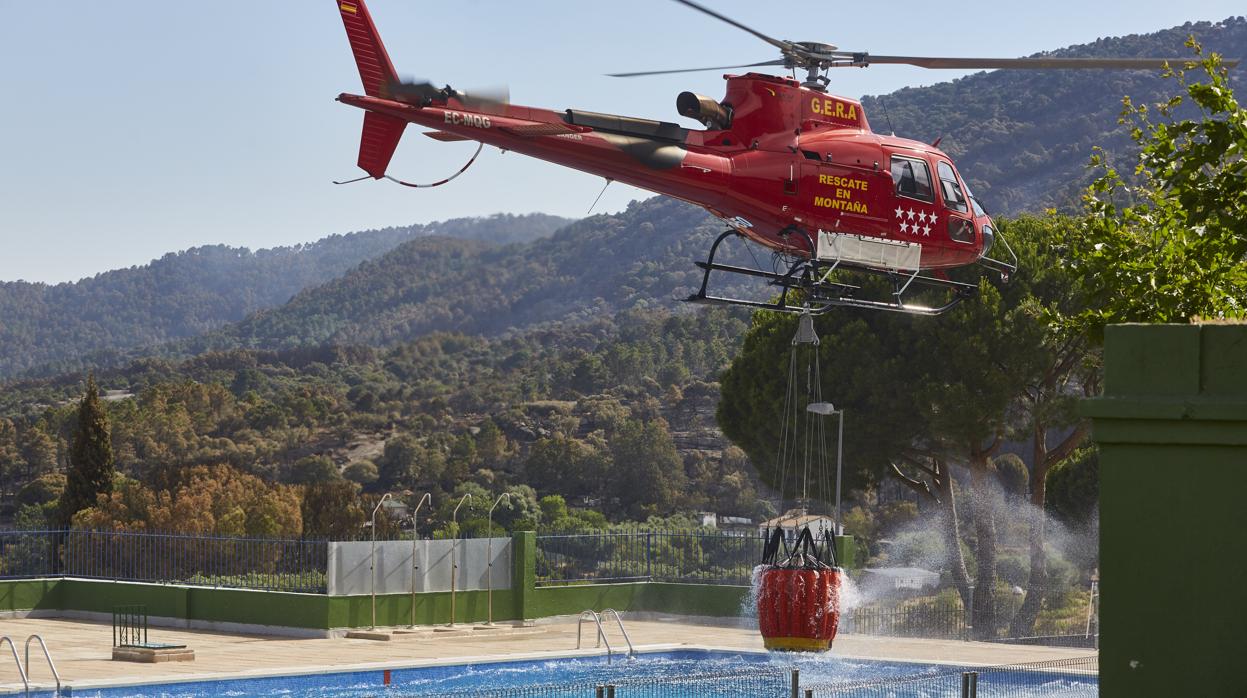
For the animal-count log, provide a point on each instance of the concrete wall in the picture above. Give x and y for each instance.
(1172, 432)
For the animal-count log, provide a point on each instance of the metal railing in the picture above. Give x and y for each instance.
(248, 563)
(941, 621)
(1077, 677)
(46, 655)
(691, 557)
(130, 625)
(21, 670)
(590, 614)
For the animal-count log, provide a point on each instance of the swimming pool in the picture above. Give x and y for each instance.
(691, 673)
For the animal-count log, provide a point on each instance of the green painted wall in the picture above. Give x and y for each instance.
(658, 597)
(693, 599)
(28, 595)
(1172, 432)
(846, 552)
(313, 611)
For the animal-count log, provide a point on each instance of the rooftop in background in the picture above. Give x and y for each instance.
(814, 521)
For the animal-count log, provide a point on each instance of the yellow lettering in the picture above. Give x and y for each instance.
(844, 182)
(852, 112)
(816, 106)
(839, 204)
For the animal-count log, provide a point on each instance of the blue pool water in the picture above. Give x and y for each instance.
(767, 675)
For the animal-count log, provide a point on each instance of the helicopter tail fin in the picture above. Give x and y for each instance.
(378, 141)
(375, 69)
(381, 133)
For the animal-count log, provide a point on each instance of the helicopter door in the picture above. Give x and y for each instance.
(960, 225)
(849, 199)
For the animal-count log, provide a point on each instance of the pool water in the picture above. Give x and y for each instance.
(742, 674)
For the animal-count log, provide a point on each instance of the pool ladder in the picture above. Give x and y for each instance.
(24, 671)
(590, 614)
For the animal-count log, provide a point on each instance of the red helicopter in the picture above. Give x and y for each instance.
(781, 162)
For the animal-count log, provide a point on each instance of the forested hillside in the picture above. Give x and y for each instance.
(637, 259)
(1023, 138)
(187, 293)
(620, 411)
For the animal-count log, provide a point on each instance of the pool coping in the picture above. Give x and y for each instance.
(281, 672)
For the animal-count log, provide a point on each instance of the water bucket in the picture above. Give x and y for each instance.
(799, 609)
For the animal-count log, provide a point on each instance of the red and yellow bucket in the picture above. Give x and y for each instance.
(799, 609)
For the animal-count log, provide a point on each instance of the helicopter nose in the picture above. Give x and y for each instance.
(989, 238)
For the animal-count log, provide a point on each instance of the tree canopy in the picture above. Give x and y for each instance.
(90, 456)
(1173, 247)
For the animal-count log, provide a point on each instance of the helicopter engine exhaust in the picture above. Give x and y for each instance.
(713, 115)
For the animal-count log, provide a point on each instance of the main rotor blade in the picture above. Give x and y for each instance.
(777, 43)
(692, 70)
(1020, 63)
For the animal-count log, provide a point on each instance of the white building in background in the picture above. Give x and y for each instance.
(793, 521)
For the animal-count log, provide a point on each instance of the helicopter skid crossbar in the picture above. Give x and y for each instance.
(776, 279)
(818, 294)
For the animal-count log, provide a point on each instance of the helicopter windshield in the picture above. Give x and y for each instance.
(950, 187)
(979, 211)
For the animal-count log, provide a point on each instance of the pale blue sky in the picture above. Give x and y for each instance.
(131, 129)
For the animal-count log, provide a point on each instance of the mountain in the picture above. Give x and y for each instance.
(640, 258)
(1023, 139)
(187, 293)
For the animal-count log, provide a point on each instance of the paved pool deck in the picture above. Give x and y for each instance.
(82, 650)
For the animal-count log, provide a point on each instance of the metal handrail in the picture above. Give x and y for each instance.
(619, 620)
(47, 655)
(17, 660)
(601, 632)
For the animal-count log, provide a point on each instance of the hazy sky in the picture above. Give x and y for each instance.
(131, 129)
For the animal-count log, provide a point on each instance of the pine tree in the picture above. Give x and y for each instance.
(90, 457)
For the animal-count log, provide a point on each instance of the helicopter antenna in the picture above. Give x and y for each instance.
(595, 201)
(883, 103)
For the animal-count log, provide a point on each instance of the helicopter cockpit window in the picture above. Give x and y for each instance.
(951, 189)
(979, 211)
(912, 178)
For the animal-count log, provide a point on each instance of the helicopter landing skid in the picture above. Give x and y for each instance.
(818, 294)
